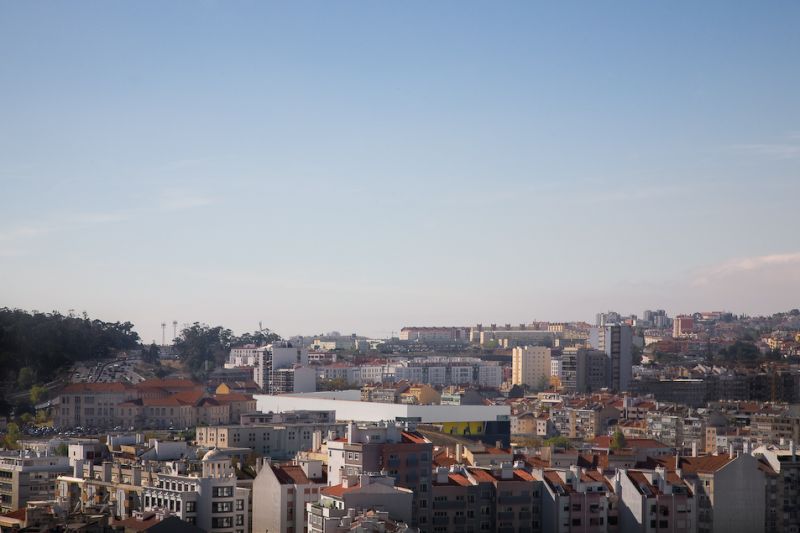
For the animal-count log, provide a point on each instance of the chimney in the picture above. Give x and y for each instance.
(459, 453)
(107, 471)
(694, 449)
(316, 440)
(77, 469)
(506, 471)
(441, 475)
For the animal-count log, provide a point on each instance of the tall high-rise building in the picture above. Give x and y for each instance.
(530, 366)
(682, 325)
(275, 357)
(617, 343)
(584, 370)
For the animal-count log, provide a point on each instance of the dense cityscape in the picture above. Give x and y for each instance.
(346, 266)
(651, 423)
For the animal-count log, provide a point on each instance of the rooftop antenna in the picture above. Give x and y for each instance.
(174, 329)
(163, 333)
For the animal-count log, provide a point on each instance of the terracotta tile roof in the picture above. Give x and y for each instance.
(337, 491)
(168, 384)
(489, 450)
(552, 478)
(482, 475)
(523, 475)
(442, 459)
(705, 464)
(82, 388)
(413, 437)
(233, 397)
(642, 485)
(19, 514)
(604, 441)
(294, 475)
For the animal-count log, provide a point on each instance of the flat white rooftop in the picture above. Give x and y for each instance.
(348, 406)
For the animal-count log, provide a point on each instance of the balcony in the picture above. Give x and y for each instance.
(513, 500)
(449, 505)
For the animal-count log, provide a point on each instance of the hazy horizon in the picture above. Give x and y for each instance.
(360, 167)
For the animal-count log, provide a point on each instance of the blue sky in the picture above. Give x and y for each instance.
(363, 166)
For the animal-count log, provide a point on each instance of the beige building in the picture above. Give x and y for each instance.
(26, 476)
(282, 493)
(531, 366)
(277, 440)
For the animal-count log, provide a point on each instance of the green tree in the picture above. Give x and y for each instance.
(202, 347)
(26, 377)
(559, 441)
(38, 394)
(152, 354)
(618, 440)
(62, 450)
(13, 434)
(46, 343)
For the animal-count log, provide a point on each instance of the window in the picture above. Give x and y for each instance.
(239, 519)
(221, 522)
(240, 505)
(221, 507)
(222, 492)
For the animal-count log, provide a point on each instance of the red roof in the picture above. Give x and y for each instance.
(604, 441)
(294, 475)
(337, 491)
(82, 388)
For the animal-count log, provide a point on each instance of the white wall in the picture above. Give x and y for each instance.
(348, 407)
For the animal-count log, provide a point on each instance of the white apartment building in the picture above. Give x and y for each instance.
(26, 476)
(277, 356)
(490, 376)
(210, 499)
(530, 366)
(555, 367)
(244, 356)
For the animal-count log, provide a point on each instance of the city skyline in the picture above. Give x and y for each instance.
(364, 167)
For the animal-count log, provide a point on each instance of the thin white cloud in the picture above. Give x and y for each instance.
(789, 149)
(745, 264)
(168, 200)
(177, 200)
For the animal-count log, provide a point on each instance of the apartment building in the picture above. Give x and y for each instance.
(282, 492)
(530, 366)
(278, 440)
(617, 343)
(654, 500)
(358, 492)
(282, 355)
(783, 513)
(117, 486)
(575, 500)
(26, 476)
(405, 455)
(770, 427)
(728, 490)
(208, 499)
